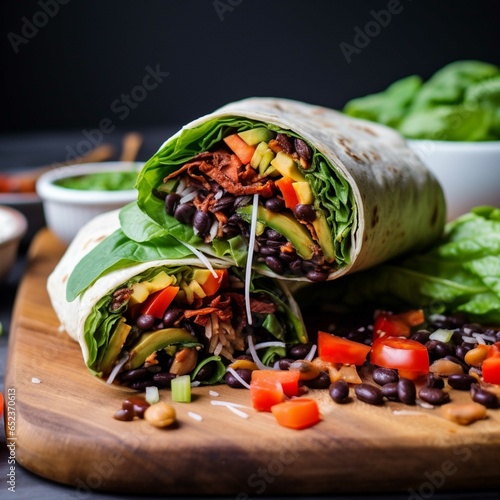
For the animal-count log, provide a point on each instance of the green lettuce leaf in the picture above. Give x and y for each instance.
(461, 273)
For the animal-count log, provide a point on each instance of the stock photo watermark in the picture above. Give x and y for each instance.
(364, 35)
(436, 479)
(31, 27)
(222, 7)
(121, 109)
(10, 427)
(259, 479)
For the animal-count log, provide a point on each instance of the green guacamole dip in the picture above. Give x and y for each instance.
(100, 181)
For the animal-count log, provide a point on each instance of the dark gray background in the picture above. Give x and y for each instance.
(84, 57)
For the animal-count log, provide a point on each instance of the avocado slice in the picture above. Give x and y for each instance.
(115, 345)
(151, 342)
(256, 135)
(286, 225)
(324, 235)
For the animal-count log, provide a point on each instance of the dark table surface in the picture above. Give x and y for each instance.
(27, 150)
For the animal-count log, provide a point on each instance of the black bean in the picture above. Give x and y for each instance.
(271, 234)
(266, 250)
(136, 404)
(230, 230)
(241, 201)
(369, 393)
(202, 221)
(172, 314)
(274, 264)
(288, 257)
(383, 376)
(206, 372)
(224, 203)
(316, 276)
(145, 321)
(461, 381)
(296, 267)
(124, 415)
(304, 212)
(322, 381)
(442, 349)
(339, 391)
(135, 375)
(407, 391)
(483, 396)
(421, 336)
(434, 381)
(141, 385)
(171, 202)
(274, 243)
(299, 351)
(233, 382)
(275, 204)
(390, 391)
(434, 396)
(285, 142)
(284, 363)
(461, 351)
(454, 359)
(184, 213)
(303, 150)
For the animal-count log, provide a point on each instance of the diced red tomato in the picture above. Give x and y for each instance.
(401, 354)
(285, 185)
(297, 413)
(1, 404)
(265, 393)
(213, 283)
(156, 304)
(491, 365)
(337, 349)
(240, 148)
(397, 325)
(289, 380)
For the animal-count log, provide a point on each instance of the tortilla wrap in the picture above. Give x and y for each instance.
(378, 198)
(93, 320)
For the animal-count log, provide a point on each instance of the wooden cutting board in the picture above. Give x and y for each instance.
(65, 430)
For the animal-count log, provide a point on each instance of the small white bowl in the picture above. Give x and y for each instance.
(13, 226)
(469, 172)
(67, 210)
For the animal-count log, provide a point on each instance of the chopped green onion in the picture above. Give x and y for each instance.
(442, 335)
(152, 395)
(181, 389)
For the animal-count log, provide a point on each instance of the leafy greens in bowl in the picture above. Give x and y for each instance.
(460, 102)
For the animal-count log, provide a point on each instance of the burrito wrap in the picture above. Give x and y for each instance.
(398, 203)
(72, 315)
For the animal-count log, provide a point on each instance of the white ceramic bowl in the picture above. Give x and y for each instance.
(67, 210)
(469, 172)
(13, 226)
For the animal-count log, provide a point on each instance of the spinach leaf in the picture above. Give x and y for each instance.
(117, 251)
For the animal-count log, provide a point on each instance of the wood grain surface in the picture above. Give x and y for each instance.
(65, 430)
